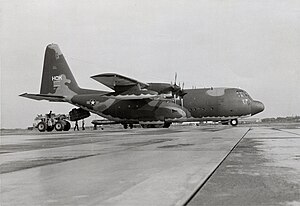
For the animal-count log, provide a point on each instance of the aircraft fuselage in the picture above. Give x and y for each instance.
(223, 103)
(198, 104)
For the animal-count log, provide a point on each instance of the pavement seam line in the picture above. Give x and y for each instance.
(198, 188)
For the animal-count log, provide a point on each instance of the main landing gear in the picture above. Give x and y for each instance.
(125, 126)
(165, 125)
(233, 122)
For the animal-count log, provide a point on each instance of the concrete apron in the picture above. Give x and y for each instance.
(133, 169)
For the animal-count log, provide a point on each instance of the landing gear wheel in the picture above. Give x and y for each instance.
(67, 126)
(234, 122)
(125, 126)
(130, 126)
(59, 126)
(167, 124)
(42, 126)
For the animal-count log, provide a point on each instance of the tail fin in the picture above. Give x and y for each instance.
(57, 77)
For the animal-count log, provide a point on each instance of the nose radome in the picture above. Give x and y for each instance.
(257, 107)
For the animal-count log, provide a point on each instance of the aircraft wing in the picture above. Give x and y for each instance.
(117, 81)
(125, 88)
(51, 98)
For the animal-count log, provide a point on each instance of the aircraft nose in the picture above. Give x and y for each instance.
(257, 107)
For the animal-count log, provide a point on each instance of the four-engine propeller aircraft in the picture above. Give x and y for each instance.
(134, 102)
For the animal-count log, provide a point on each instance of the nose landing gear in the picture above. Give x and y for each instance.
(234, 122)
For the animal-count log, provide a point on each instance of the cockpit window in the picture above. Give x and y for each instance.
(240, 94)
(243, 94)
(247, 95)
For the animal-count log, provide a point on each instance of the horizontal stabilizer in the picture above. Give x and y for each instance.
(51, 98)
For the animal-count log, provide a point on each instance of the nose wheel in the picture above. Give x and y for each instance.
(234, 122)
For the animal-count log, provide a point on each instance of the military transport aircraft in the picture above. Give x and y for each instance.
(134, 102)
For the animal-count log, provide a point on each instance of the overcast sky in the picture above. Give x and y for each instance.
(251, 44)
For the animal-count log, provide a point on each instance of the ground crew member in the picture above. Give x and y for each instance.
(83, 128)
(76, 126)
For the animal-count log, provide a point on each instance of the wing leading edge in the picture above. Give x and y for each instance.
(125, 88)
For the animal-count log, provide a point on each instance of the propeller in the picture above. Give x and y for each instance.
(177, 90)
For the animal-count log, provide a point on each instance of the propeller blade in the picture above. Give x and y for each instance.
(181, 102)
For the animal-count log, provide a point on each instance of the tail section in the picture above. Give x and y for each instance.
(57, 77)
(58, 83)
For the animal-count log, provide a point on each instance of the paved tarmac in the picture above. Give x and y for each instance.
(204, 165)
(264, 169)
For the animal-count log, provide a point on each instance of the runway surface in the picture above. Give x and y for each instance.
(206, 165)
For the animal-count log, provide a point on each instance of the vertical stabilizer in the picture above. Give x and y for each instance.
(57, 77)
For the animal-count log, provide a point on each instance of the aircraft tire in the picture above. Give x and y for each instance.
(59, 126)
(42, 126)
(67, 126)
(167, 125)
(234, 122)
(131, 126)
(125, 126)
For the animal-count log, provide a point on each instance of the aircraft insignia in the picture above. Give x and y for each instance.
(92, 102)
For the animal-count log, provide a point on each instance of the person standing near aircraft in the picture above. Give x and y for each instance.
(76, 126)
(83, 128)
(50, 114)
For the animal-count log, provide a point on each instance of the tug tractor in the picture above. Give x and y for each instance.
(48, 123)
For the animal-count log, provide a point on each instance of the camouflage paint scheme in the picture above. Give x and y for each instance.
(134, 102)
